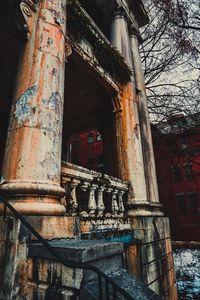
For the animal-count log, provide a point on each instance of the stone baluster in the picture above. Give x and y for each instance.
(108, 213)
(121, 203)
(114, 205)
(92, 206)
(84, 187)
(100, 203)
(72, 203)
(64, 184)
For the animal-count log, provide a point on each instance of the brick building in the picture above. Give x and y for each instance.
(86, 149)
(177, 156)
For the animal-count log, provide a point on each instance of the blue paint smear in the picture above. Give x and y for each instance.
(125, 239)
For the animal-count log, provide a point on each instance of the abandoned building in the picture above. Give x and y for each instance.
(68, 232)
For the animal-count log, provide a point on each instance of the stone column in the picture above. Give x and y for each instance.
(120, 36)
(148, 154)
(33, 151)
(129, 149)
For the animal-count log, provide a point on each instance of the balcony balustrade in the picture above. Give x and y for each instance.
(92, 194)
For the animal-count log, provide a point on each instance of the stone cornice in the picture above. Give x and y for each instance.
(138, 9)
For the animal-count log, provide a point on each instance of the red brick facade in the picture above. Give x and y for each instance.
(177, 159)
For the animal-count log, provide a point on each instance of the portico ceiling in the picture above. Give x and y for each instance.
(9, 51)
(84, 95)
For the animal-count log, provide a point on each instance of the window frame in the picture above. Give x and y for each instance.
(175, 178)
(188, 175)
(191, 206)
(91, 137)
(181, 207)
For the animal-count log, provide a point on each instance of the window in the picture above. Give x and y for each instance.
(193, 203)
(99, 137)
(181, 205)
(176, 173)
(90, 137)
(188, 172)
(183, 143)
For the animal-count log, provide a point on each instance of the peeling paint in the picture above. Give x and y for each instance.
(24, 111)
(47, 114)
(50, 163)
(51, 115)
(53, 102)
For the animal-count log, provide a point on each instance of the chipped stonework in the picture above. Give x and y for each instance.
(50, 119)
(46, 116)
(24, 111)
(50, 123)
(50, 163)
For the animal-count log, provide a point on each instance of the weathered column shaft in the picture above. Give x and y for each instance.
(148, 154)
(120, 37)
(33, 151)
(129, 149)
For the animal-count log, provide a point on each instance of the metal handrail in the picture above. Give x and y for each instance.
(108, 280)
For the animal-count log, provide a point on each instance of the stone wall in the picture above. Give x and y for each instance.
(14, 243)
(147, 246)
(156, 258)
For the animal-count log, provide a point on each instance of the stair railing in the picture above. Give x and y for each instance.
(109, 282)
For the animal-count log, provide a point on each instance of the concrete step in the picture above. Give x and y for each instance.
(75, 250)
(101, 253)
(45, 273)
(135, 288)
(107, 256)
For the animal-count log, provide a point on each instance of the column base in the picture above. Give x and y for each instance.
(33, 198)
(156, 209)
(144, 208)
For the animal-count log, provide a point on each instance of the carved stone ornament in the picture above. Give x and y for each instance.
(117, 105)
(23, 11)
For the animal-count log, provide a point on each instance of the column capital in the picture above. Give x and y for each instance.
(24, 10)
(135, 33)
(120, 12)
(30, 4)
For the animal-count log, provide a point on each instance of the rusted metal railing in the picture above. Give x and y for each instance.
(107, 288)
